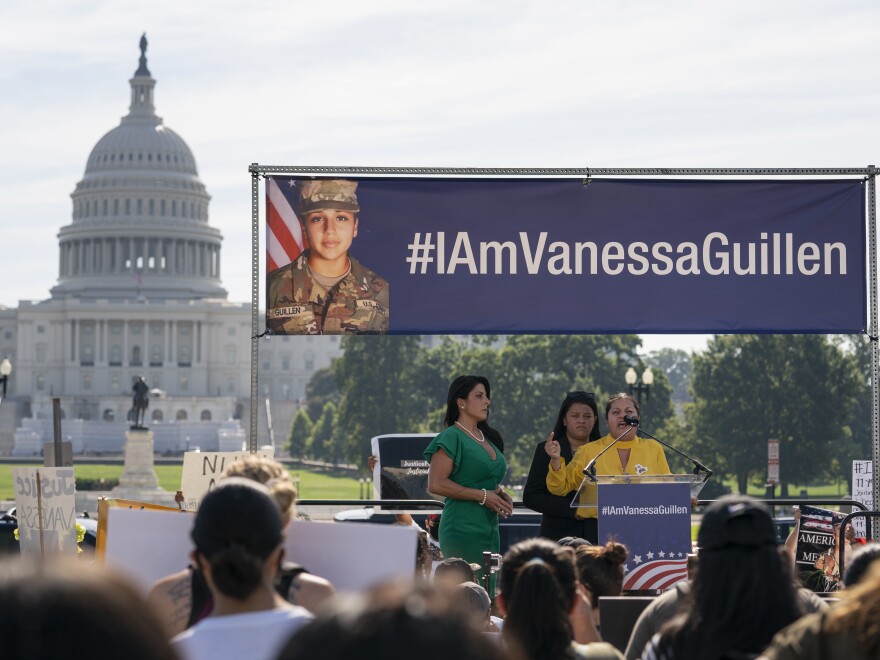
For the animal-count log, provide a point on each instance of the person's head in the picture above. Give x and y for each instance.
(328, 211)
(468, 399)
(620, 405)
(47, 610)
(432, 524)
(537, 582)
(453, 571)
(858, 565)
(578, 418)
(573, 542)
(272, 475)
(473, 602)
(393, 624)
(742, 593)
(858, 613)
(600, 570)
(237, 535)
(468, 396)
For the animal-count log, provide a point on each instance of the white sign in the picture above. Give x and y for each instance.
(353, 556)
(45, 504)
(202, 469)
(862, 491)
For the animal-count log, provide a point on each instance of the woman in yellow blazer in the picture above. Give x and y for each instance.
(630, 455)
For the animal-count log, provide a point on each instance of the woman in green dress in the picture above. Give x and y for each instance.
(467, 468)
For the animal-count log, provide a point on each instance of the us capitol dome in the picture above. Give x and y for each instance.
(140, 214)
(139, 293)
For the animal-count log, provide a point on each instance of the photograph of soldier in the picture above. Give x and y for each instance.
(326, 290)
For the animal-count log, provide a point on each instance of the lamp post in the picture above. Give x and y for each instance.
(5, 370)
(636, 387)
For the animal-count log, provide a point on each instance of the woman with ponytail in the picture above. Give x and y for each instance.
(547, 612)
(238, 548)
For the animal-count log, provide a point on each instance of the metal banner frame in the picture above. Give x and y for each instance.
(869, 173)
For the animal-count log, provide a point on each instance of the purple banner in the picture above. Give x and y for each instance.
(654, 522)
(464, 256)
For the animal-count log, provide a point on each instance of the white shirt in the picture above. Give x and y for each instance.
(255, 635)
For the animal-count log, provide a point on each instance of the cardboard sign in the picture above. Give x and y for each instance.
(45, 500)
(816, 550)
(202, 469)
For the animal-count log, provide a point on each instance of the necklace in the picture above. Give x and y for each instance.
(482, 438)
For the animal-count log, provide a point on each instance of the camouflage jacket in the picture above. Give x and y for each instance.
(298, 305)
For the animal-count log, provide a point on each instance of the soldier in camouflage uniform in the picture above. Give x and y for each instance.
(325, 290)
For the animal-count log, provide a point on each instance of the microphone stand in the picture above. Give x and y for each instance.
(590, 469)
(698, 467)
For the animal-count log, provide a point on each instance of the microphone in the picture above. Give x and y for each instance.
(632, 421)
(590, 469)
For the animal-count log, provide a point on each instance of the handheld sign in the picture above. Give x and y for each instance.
(202, 469)
(45, 500)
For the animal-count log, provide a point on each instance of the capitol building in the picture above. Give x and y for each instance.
(139, 292)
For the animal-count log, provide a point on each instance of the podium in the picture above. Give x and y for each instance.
(651, 515)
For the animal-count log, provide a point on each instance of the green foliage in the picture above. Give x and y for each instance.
(320, 389)
(747, 389)
(319, 446)
(677, 366)
(398, 385)
(375, 380)
(300, 430)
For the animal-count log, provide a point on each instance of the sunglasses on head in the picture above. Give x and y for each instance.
(582, 395)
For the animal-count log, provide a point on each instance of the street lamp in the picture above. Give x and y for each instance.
(5, 370)
(631, 379)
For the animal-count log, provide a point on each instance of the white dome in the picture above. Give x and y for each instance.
(140, 214)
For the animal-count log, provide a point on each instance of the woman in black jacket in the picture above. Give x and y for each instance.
(576, 424)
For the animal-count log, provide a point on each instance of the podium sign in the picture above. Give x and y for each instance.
(653, 520)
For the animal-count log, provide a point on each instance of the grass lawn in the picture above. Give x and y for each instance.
(311, 485)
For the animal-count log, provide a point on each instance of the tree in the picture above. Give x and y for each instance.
(322, 433)
(374, 378)
(320, 389)
(300, 430)
(676, 364)
(747, 389)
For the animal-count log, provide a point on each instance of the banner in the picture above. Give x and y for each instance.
(465, 256)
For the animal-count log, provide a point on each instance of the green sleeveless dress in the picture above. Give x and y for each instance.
(466, 528)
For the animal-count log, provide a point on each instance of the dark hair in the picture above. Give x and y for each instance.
(568, 402)
(861, 561)
(454, 565)
(46, 609)
(538, 581)
(600, 569)
(621, 395)
(390, 623)
(460, 388)
(236, 529)
(741, 597)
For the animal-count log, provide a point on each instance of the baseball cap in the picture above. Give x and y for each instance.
(736, 520)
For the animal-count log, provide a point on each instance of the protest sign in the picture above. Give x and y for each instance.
(401, 471)
(45, 501)
(202, 469)
(862, 491)
(816, 551)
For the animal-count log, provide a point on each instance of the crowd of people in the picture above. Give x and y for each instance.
(242, 598)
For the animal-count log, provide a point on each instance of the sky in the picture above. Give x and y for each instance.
(447, 83)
